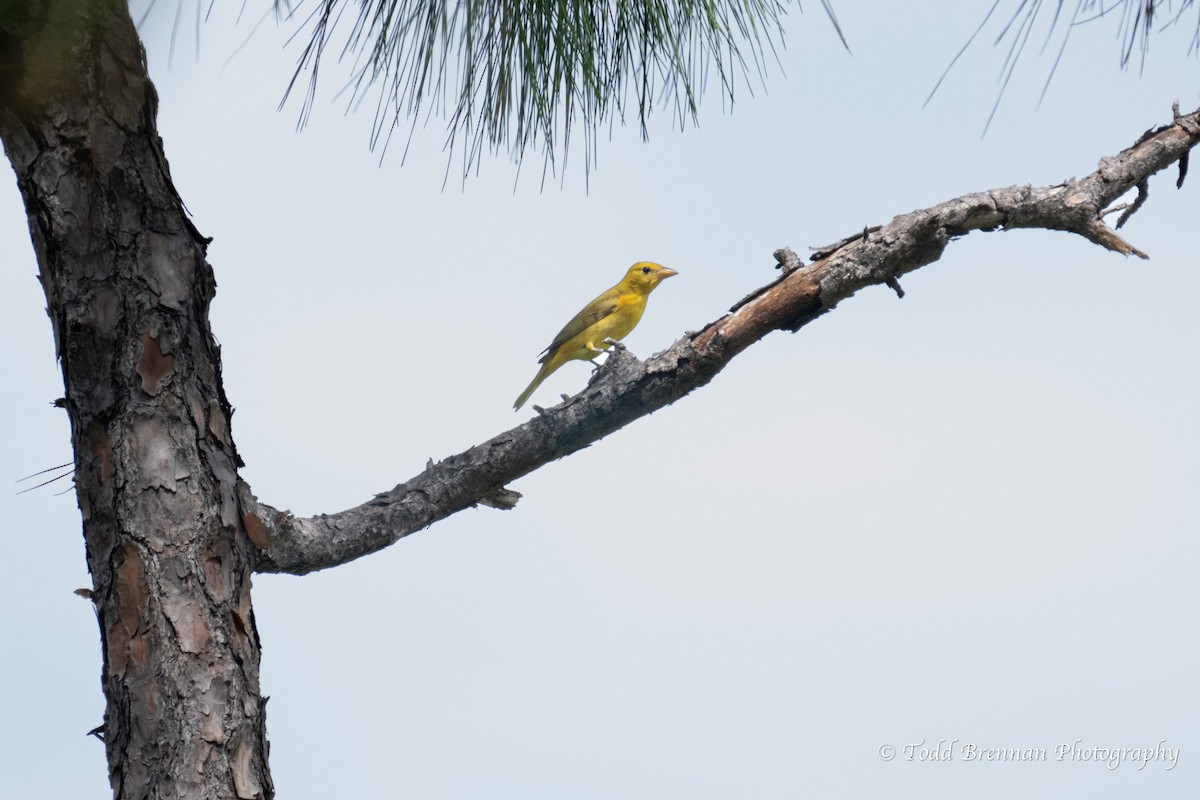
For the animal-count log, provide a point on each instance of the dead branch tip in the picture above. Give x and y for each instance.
(1143, 195)
(1104, 236)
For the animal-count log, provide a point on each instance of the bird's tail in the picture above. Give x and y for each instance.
(543, 373)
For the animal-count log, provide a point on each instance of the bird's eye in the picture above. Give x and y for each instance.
(645, 270)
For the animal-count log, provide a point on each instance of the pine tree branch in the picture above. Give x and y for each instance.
(528, 76)
(625, 388)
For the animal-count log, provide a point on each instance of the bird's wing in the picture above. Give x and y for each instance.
(603, 306)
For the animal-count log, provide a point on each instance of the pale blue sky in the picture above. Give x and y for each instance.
(969, 515)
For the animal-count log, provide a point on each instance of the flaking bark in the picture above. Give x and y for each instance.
(625, 388)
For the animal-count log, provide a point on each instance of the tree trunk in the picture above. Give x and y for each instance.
(128, 292)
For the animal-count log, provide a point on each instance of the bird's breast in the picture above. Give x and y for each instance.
(626, 317)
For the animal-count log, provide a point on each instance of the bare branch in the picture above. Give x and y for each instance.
(625, 388)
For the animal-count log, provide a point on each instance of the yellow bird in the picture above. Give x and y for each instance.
(612, 315)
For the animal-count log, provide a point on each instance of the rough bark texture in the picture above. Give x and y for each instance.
(128, 291)
(625, 388)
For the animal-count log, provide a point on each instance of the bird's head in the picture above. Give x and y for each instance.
(645, 275)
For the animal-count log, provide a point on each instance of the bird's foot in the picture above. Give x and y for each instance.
(614, 344)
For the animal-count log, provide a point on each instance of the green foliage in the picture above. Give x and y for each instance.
(522, 74)
(1136, 22)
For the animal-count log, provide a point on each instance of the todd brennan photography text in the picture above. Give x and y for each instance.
(944, 750)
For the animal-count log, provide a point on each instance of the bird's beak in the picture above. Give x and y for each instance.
(667, 272)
